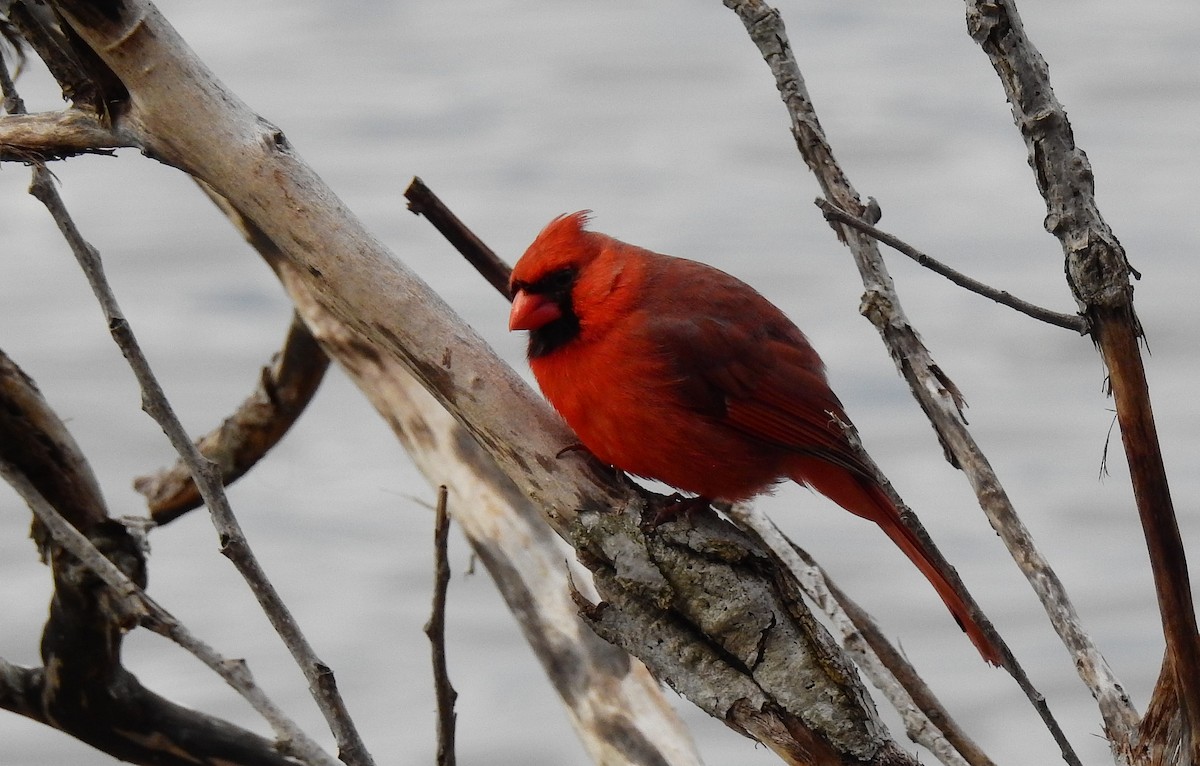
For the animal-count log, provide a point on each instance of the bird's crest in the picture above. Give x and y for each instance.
(564, 243)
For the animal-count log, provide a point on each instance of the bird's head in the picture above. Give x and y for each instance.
(545, 280)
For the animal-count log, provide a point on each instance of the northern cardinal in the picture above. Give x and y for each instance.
(673, 370)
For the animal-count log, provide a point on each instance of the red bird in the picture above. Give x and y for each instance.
(676, 371)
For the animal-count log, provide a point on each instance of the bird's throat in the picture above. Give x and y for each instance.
(554, 335)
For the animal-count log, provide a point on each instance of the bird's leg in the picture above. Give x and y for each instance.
(673, 507)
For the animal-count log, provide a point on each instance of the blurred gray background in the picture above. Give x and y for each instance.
(662, 118)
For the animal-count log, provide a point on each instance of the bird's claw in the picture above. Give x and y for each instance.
(576, 447)
(673, 507)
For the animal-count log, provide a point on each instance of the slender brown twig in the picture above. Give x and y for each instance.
(1074, 322)
(422, 201)
(435, 629)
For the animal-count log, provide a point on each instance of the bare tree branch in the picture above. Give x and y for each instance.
(1068, 321)
(81, 641)
(422, 201)
(81, 75)
(927, 722)
(1162, 738)
(76, 490)
(34, 441)
(933, 390)
(126, 719)
(1098, 275)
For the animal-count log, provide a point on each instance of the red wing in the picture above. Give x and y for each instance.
(763, 380)
(792, 406)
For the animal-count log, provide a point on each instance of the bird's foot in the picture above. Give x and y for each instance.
(617, 473)
(673, 507)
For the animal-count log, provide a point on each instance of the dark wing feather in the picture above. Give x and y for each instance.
(740, 360)
(792, 406)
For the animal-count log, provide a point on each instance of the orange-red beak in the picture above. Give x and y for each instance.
(531, 311)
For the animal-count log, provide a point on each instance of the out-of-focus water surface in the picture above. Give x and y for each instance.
(662, 118)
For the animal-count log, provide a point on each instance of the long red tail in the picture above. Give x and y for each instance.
(870, 502)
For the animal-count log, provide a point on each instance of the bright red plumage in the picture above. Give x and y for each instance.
(676, 371)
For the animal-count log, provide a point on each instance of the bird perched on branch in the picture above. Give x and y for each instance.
(673, 370)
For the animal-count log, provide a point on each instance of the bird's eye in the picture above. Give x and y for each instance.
(559, 281)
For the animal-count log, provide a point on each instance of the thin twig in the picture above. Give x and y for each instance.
(1074, 322)
(882, 306)
(422, 201)
(149, 613)
(322, 684)
(435, 629)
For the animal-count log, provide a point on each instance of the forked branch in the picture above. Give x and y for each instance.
(208, 479)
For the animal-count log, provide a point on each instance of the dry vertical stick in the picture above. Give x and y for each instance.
(436, 630)
(1098, 275)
